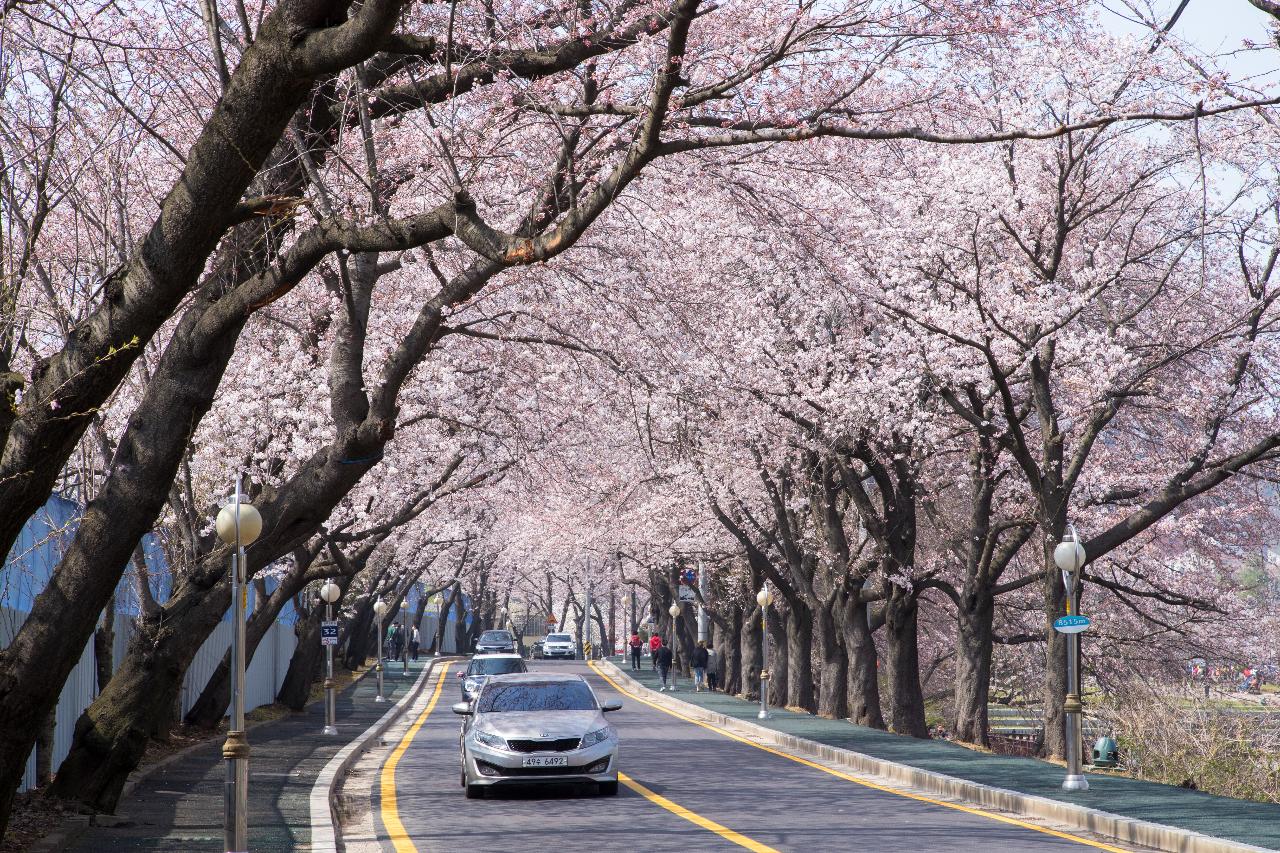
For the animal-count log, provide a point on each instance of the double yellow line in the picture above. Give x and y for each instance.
(747, 842)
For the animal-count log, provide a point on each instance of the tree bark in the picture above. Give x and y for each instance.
(799, 657)
(113, 731)
(973, 669)
(779, 658)
(44, 750)
(833, 697)
(305, 665)
(863, 673)
(749, 652)
(104, 639)
(903, 659)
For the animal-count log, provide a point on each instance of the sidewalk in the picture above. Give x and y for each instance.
(178, 807)
(1221, 817)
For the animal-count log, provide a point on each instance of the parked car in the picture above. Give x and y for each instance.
(537, 727)
(536, 651)
(559, 646)
(491, 642)
(483, 666)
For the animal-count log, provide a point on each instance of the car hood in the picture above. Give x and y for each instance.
(535, 725)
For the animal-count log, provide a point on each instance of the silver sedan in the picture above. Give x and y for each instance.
(537, 727)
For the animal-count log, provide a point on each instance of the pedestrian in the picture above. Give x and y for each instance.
(713, 669)
(655, 643)
(390, 643)
(662, 659)
(636, 645)
(414, 641)
(396, 639)
(699, 663)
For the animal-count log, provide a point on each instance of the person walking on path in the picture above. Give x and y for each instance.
(636, 645)
(699, 663)
(713, 669)
(662, 659)
(655, 643)
(414, 641)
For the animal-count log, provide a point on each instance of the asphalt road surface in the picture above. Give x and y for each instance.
(688, 788)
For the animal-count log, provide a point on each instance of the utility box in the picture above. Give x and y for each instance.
(1105, 752)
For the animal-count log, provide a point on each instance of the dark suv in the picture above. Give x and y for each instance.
(495, 641)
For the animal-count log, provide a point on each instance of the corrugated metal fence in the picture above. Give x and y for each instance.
(262, 681)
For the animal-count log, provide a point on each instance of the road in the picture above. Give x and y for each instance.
(688, 787)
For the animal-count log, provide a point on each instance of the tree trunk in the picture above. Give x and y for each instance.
(903, 659)
(779, 657)
(799, 656)
(44, 750)
(104, 640)
(863, 673)
(1055, 680)
(973, 668)
(113, 731)
(211, 707)
(306, 664)
(833, 700)
(749, 654)
(728, 643)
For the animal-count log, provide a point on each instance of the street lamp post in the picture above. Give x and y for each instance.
(238, 524)
(329, 594)
(379, 610)
(763, 598)
(1070, 557)
(674, 610)
(404, 633)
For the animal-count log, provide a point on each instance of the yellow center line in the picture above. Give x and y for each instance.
(390, 813)
(850, 778)
(695, 818)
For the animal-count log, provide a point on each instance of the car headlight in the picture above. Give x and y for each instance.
(598, 736)
(489, 739)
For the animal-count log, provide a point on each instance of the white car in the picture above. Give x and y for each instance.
(481, 667)
(559, 646)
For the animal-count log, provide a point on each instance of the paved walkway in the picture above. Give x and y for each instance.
(1239, 820)
(178, 807)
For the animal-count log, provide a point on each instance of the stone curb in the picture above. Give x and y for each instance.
(1117, 827)
(324, 832)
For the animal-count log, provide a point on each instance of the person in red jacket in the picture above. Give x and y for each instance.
(636, 645)
(655, 643)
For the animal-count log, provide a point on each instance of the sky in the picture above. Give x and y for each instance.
(1214, 26)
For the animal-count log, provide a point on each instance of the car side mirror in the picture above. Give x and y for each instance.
(610, 706)
(462, 674)
(462, 708)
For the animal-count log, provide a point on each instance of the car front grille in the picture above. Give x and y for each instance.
(564, 744)
(488, 769)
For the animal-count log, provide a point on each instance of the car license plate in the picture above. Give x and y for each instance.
(546, 761)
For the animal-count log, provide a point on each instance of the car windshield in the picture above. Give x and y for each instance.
(495, 637)
(536, 696)
(495, 666)
(559, 638)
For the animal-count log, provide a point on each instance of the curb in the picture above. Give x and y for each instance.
(1144, 833)
(324, 832)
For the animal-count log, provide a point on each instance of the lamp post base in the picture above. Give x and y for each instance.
(764, 715)
(379, 698)
(331, 730)
(1075, 782)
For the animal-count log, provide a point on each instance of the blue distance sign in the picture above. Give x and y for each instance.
(1071, 624)
(328, 633)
